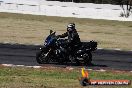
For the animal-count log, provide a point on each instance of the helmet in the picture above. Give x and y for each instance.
(71, 27)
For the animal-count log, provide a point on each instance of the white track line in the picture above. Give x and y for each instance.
(37, 67)
(12, 65)
(8, 65)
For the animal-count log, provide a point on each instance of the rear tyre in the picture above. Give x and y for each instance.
(87, 59)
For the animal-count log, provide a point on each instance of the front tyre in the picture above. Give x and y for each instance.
(42, 57)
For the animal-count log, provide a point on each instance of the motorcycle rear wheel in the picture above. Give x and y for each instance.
(87, 59)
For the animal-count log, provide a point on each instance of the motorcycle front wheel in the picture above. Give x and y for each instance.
(42, 57)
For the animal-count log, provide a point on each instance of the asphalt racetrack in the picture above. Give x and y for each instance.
(103, 59)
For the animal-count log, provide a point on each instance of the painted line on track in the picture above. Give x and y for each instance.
(12, 65)
(68, 67)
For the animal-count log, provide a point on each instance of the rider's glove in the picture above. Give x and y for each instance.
(58, 36)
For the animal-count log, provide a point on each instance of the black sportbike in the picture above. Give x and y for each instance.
(56, 50)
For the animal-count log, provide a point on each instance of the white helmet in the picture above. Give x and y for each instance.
(70, 27)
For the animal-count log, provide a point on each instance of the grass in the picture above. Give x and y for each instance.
(18, 77)
(31, 29)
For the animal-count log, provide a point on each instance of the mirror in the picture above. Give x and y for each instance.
(51, 31)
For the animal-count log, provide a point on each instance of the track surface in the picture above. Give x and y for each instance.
(103, 59)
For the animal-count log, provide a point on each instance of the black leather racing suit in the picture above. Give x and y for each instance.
(73, 40)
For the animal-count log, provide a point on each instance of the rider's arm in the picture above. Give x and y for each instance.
(63, 35)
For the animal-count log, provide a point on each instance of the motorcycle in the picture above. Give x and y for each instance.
(55, 50)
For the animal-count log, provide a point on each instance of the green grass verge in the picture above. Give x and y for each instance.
(15, 77)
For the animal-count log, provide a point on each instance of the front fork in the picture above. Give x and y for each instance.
(48, 53)
(44, 49)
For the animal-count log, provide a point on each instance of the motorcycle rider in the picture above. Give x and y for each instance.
(73, 37)
(73, 40)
